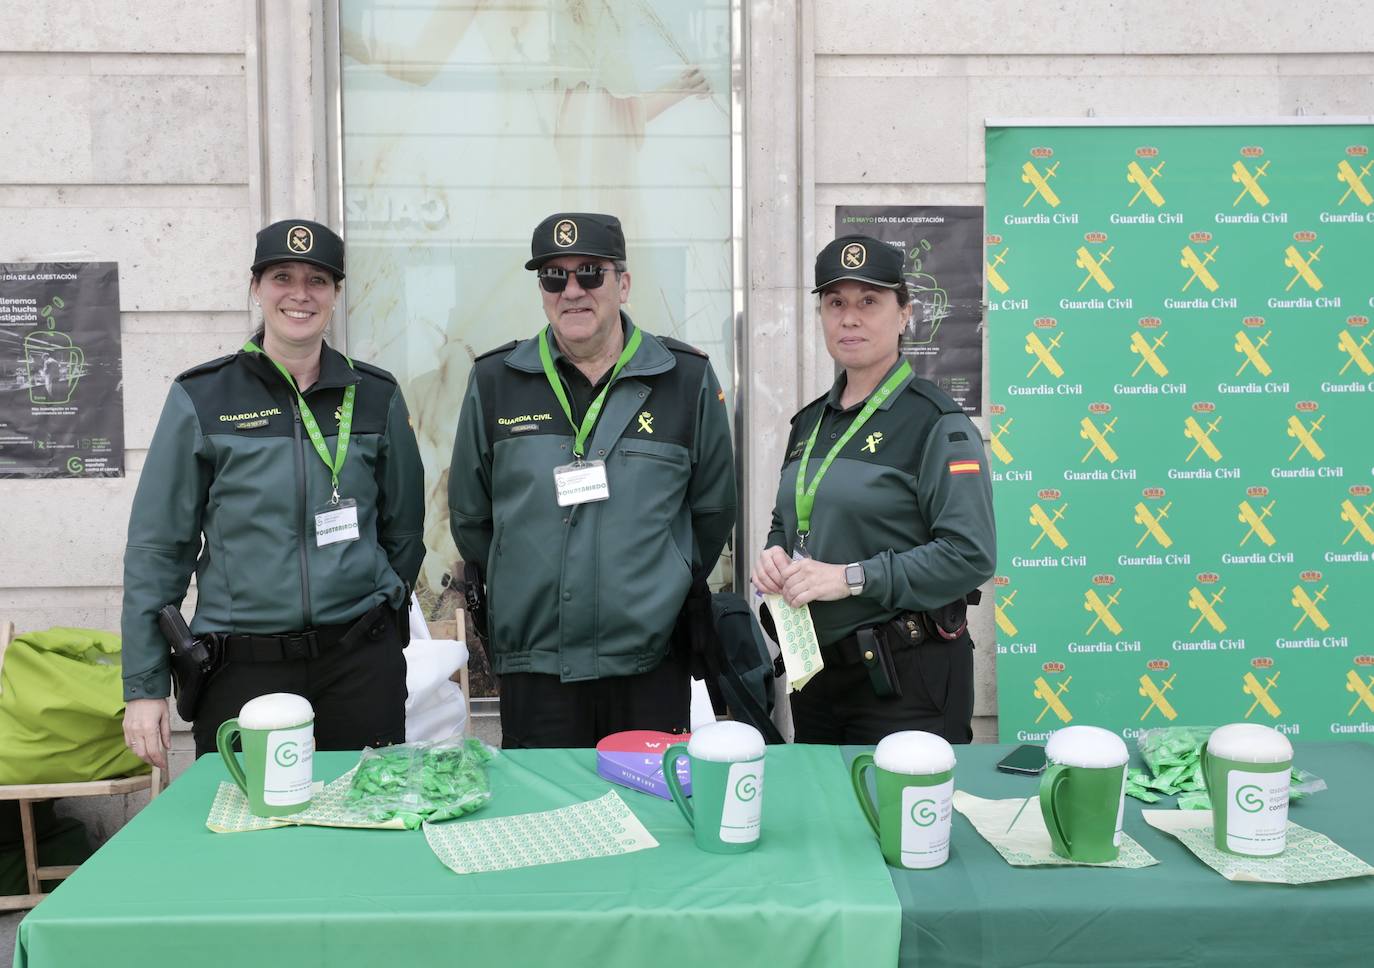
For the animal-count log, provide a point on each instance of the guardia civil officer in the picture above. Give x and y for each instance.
(592, 477)
(883, 522)
(287, 478)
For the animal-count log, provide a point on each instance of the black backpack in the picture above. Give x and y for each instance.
(729, 652)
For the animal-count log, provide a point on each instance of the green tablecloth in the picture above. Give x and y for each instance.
(978, 911)
(167, 891)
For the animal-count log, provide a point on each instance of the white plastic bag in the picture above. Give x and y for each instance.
(435, 706)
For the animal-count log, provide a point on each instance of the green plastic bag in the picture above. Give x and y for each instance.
(422, 782)
(62, 709)
(1173, 755)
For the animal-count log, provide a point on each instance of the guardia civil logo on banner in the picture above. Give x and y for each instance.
(1182, 384)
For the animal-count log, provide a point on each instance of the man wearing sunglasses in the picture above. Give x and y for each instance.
(592, 478)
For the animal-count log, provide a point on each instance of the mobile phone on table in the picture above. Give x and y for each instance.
(1027, 759)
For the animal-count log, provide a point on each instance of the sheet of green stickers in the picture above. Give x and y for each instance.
(1016, 830)
(604, 827)
(330, 807)
(801, 653)
(1308, 858)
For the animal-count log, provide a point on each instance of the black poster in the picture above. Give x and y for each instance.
(944, 271)
(61, 372)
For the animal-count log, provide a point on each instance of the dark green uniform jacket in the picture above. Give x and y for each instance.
(231, 461)
(909, 496)
(593, 590)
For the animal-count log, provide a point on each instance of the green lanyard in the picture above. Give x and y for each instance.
(594, 411)
(806, 494)
(312, 426)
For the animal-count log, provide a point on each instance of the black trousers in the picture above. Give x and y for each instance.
(540, 711)
(838, 706)
(358, 692)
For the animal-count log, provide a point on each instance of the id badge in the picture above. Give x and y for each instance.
(336, 522)
(799, 554)
(581, 483)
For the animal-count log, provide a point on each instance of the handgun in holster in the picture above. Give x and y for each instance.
(694, 634)
(473, 588)
(950, 621)
(194, 659)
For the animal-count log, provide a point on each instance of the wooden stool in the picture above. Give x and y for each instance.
(30, 793)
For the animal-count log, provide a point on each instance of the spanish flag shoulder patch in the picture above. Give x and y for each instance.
(964, 467)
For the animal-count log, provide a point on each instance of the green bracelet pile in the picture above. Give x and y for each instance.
(422, 782)
(1173, 755)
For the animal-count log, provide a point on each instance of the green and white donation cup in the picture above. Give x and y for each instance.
(1246, 768)
(726, 761)
(277, 732)
(1082, 794)
(915, 783)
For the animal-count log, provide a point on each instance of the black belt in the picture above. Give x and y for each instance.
(903, 632)
(308, 643)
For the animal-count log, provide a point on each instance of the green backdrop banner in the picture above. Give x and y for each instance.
(1182, 425)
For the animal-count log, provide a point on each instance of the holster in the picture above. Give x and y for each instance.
(694, 633)
(876, 655)
(950, 621)
(474, 591)
(194, 660)
(874, 646)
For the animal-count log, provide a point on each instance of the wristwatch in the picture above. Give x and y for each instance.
(854, 577)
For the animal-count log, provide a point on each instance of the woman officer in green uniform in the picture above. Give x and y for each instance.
(287, 477)
(883, 523)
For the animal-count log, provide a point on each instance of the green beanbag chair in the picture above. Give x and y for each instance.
(62, 709)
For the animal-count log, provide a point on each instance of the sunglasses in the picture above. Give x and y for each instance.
(555, 279)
